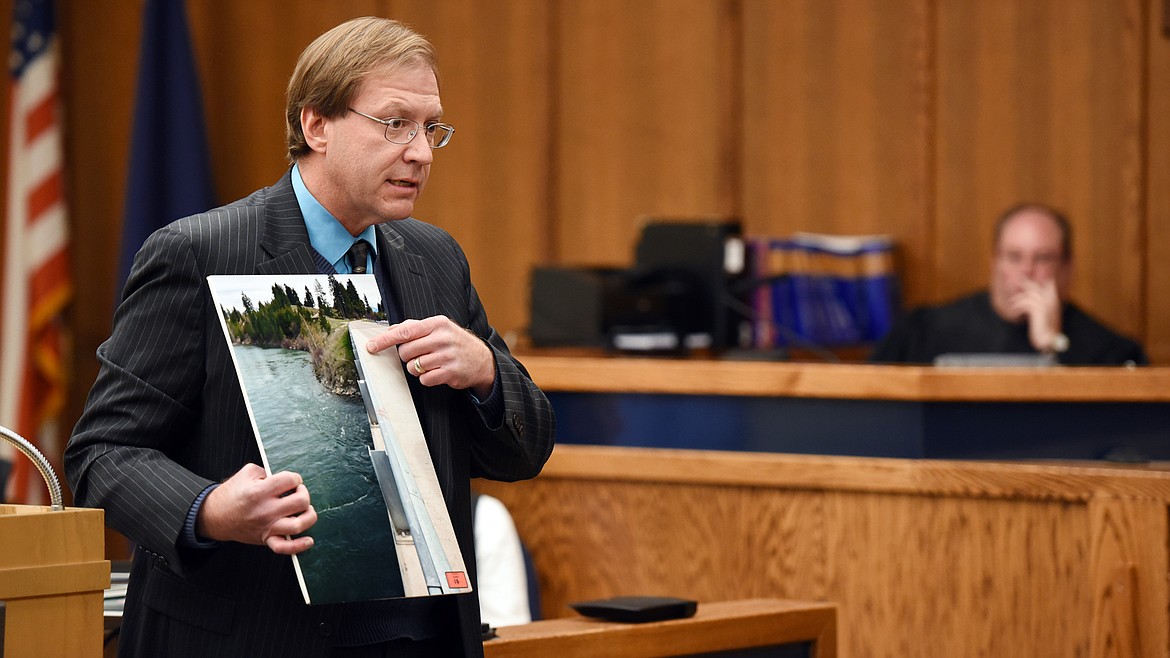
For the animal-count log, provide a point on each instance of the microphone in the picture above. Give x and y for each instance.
(42, 464)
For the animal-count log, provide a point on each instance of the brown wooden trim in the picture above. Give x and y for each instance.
(846, 381)
(716, 627)
(858, 474)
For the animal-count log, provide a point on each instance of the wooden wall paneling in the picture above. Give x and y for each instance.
(1157, 184)
(1129, 562)
(1043, 101)
(645, 121)
(99, 70)
(245, 70)
(936, 570)
(679, 553)
(837, 121)
(490, 186)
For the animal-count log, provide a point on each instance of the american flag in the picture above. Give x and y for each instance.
(37, 284)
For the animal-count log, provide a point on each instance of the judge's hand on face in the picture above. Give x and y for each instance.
(252, 507)
(1039, 303)
(438, 351)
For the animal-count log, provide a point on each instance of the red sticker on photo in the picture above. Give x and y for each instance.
(457, 580)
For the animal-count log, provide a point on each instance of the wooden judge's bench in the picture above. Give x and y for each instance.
(1117, 413)
(922, 558)
(1040, 553)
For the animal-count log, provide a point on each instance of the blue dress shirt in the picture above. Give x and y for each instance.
(326, 234)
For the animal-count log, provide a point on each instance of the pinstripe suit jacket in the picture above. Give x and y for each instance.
(166, 418)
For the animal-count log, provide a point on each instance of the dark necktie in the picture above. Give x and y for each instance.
(356, 257)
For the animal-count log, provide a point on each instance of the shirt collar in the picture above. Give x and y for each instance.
(326, 234)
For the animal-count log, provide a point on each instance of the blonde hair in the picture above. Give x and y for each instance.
(330, 71)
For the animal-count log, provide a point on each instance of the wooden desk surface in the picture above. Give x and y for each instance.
(716, 626)
(612, 374)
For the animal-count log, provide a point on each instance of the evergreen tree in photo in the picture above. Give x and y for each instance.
(340, 303)
(279, 296)
(353, 301)
(322, 317)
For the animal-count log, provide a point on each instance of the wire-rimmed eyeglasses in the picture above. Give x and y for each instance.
(400, 130)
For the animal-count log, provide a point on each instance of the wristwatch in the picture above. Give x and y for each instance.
(1059, 344)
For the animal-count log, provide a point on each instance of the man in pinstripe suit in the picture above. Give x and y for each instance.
(165, 445)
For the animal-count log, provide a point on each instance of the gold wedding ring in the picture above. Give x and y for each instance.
(418, 369)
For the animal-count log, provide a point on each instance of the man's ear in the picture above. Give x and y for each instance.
(313, 125)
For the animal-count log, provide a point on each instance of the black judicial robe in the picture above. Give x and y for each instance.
(970, 325)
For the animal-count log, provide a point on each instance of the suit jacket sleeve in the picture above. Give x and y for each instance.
(520, 446)
(143, 408)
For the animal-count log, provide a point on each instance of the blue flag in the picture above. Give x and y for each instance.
(170, 170)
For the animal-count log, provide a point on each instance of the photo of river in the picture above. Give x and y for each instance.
(324, 437)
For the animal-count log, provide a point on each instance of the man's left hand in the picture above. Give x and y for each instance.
(438, 351)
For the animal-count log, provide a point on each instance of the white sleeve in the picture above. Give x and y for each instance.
(503, 581)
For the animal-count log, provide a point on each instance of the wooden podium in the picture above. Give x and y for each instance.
(52, 575)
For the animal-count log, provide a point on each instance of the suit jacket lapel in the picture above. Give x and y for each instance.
(409, 283)
(285, 239)
(409, 277)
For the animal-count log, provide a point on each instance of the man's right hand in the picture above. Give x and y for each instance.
(251, 507)
(1039, 302)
